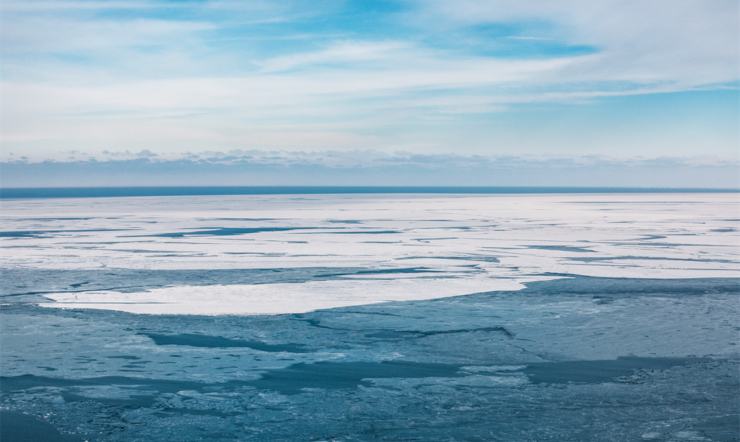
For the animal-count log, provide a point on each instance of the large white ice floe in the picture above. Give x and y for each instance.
(267, 299)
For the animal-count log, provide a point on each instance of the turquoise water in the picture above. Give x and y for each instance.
(623, 358)
(646, 348)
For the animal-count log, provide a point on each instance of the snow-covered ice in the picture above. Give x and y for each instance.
(458, 244)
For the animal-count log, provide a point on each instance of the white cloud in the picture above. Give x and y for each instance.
(47, 34)
(71, 77)
(36, 6)
(343, 52)
(519, 37)
(691, 42)
(365, 167)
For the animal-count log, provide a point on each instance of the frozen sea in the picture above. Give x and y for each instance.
(371, 317)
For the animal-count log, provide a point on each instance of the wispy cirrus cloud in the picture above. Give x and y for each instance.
(482, 76)
(341, 53)
(690, 42)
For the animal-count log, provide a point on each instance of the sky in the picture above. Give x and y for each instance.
(344, 84)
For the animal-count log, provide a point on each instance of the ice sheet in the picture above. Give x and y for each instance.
(466, 243)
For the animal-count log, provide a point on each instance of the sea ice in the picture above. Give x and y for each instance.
(458, 244)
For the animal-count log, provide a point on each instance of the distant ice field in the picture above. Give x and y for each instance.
(274, 254)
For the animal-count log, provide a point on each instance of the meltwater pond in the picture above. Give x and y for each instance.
(503, 331)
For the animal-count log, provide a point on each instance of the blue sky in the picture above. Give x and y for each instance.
(106, 80)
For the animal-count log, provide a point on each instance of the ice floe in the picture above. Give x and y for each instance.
(463, 243)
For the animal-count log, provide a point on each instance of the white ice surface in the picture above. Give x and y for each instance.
(267, 299)
(660, 235)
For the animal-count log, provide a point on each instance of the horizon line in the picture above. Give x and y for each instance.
(135, 191)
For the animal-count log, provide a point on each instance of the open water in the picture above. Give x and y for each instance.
(349, 317)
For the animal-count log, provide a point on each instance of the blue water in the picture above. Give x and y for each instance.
(499, 366)
(574, 358)
(97, 192)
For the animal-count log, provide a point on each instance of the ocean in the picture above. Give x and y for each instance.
(354, 314)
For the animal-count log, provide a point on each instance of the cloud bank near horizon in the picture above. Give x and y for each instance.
(370, 168)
